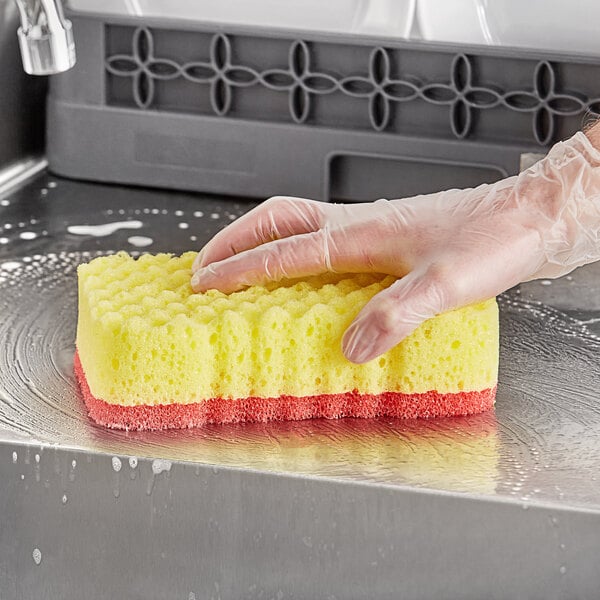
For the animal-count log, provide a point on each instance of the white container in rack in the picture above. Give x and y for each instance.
(370, 17)
(554, 25)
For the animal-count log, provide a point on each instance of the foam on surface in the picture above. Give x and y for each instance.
(144, 338)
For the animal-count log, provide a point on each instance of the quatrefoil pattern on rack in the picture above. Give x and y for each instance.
(461, 95)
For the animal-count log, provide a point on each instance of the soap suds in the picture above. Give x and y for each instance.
(159, 465)
(140, 241)
(103, 230)
(10, 265)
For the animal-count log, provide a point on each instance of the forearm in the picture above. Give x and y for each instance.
(562, 193)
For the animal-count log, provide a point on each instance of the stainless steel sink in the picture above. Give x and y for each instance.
(505, 504)
(500, 505)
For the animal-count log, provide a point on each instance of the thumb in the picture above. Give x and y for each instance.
(393, 314)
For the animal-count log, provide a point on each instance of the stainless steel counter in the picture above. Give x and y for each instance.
(500, 505)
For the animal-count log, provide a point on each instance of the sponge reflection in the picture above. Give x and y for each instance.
(458, 454)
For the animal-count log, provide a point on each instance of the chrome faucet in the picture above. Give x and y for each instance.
(45, 37)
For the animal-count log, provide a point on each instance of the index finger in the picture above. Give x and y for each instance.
(276, 218)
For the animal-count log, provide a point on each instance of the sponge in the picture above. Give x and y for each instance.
(151, 354)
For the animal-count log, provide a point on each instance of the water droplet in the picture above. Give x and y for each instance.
(64, 499)
(52, 184)
(4, 203)
(179, 213)
(133, 462)
(28, 235)
(198, 213)
(7, 226)
(43, 191)
(183, 225)
(150, 485)
(193, 238)
(37, 556)
(562, 546)
(22, 477)
(37, 458)
(155, 211)
(140, 241)
(15, 457)
(545, 282)
(562, 570)
(3, 240)
(215, 216)
(73, 463)
(116, 464)
(192, 596)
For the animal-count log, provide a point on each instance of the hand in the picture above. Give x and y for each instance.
(447, 250)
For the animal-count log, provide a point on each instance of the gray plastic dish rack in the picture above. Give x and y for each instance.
(241, 111)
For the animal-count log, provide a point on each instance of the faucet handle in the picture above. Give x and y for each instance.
(46, 52)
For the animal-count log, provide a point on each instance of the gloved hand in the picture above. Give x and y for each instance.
(447, 249)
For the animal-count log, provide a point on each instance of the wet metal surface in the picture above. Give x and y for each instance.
(540, 445)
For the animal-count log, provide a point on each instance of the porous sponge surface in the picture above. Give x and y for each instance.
(289, 408)
(144, 338)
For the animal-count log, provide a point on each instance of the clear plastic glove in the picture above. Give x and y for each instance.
(447, 250)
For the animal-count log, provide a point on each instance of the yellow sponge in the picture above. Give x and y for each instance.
(144, 340)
